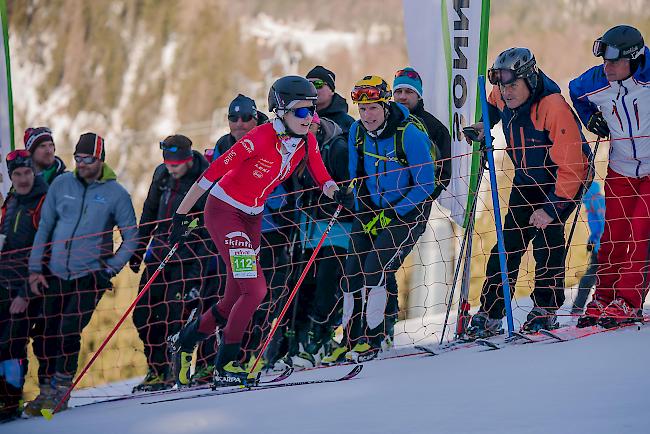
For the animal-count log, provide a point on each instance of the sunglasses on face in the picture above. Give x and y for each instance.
(85, 160)
(501, 76)
(166, 147)
(18, 154)
(303, 112)
(243, 117)
(318, 83)
(408, 73)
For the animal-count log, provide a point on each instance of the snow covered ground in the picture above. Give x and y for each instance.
(593, 385)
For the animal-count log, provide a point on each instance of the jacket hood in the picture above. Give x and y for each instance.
(328, 130)
(548, 87)
(39, 188)
(642, 73)
(199, 165)
(338, 105)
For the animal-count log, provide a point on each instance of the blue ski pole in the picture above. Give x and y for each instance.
(495, 202)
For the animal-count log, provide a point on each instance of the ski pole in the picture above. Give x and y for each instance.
(575, 219)
(312, 258)
(495, 202)
(46, 412)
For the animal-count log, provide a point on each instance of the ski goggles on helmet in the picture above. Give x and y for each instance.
(501, 76)
(303, 112)
(244, 117)
(86, 160)
(408, 73)
(18, 155)
(608, 52)
(318, 83)
(369, 94)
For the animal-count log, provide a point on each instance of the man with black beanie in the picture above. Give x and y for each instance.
(159, 313)
(330, 104)
(77, 218)
(40, 143)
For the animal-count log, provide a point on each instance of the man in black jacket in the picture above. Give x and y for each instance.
(407, 90)
(18, 310)
(159, 313)
(330, 104)
(40, 143)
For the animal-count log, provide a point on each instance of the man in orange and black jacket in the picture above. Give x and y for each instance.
(551, 160)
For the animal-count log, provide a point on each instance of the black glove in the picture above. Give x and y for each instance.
(598, 125)
(136, 260)
(180, 227)
(344, 198)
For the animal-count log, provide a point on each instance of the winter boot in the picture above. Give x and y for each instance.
(228, 371)
(336, 355)
(33, 408)
(538, 319)
(362, 352)
(181, 346)
(60, 385)
(482, 326)
(202, 375)
(592, 314)
(155, 381)
(617, 313)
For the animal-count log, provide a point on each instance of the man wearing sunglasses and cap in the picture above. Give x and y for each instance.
(40, 143)
(77, 218)
(330, 104)
(243, 116)
(18, 309)
(551, 160)
(613, 99)
(392, 157)
(159, 313)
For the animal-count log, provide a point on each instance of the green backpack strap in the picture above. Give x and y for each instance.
(399, 139)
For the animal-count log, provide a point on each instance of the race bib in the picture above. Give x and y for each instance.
(243, 263)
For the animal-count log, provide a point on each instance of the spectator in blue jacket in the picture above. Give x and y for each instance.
(392, 158)
(594, 202)
(77, 218)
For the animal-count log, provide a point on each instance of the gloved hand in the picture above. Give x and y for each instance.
(180, 226)
(598, 125)
(136, 260)
(344, 198)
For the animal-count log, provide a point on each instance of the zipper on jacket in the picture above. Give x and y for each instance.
(629, 125)
(636, 113)
(68, 243)
(17, 219)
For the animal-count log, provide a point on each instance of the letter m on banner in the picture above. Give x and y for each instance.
(447, 44)
(6, 106)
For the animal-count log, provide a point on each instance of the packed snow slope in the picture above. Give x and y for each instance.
(597, 384)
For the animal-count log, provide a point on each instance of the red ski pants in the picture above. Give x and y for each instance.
(237, 238)
(623, 255)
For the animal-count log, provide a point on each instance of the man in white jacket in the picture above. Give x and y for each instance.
(613, 99)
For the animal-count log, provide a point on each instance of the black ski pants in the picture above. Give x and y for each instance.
(548, 252)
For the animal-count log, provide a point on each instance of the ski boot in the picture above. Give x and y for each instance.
(202, 375)
(181, 346)
(336, 355)
(362, 352)
(538, 319)
(60, 385)
(592, 314)
(33, 408)
(617, 313)
(228, 371)
(482, 326)
(155, 381)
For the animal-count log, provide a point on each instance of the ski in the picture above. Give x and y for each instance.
(228, 391)
(276, 379)
(572, 333)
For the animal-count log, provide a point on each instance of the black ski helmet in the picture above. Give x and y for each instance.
(621, 42)
(289, 89)
(522, 63)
